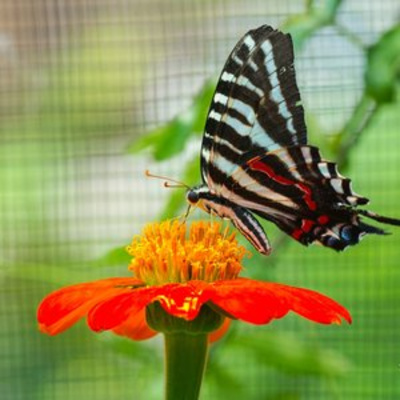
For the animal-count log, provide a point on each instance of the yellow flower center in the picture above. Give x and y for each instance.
(170, 252)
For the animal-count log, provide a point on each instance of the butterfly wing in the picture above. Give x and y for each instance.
(255, 157)
(255, 107)
(304, 195)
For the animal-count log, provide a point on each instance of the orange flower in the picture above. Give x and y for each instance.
(183, 275)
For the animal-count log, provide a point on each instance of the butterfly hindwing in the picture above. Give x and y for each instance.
(301, 193)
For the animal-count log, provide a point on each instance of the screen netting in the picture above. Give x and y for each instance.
(80, 83)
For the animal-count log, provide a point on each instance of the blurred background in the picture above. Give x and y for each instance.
(92, 93)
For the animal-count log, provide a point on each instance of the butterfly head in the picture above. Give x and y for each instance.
(197, 196)
(192, 196)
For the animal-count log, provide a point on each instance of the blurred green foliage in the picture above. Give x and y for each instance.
(317, 15)
(300, 361)
(73, 102)
(172, 138)
(382, 76)
(289, 355)
(85, 95)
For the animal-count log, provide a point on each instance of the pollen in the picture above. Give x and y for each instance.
(172, 252)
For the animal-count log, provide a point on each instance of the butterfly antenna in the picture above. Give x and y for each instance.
(175, 183)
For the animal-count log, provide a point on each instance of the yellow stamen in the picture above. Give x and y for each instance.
(169, 252)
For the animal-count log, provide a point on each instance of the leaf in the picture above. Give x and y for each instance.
(328, 9)
(202, 104)
(115, 257)
(303, 26)
(147, 141)
(168, 140)
(382, 76)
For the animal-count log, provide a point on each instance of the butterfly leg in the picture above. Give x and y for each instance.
(187, 213)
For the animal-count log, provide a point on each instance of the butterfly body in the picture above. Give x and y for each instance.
(255, 158)
(242, 218)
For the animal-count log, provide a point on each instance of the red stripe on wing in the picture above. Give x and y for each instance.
(257, 165)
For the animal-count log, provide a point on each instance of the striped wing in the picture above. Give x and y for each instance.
(302, 194)
(255, 108)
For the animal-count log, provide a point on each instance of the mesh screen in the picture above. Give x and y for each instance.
(80, 81)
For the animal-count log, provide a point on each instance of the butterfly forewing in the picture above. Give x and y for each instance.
(255, 107)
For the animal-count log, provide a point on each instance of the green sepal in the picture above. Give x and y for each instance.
(159, 320)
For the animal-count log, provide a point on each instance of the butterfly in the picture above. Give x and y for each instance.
(255, 159)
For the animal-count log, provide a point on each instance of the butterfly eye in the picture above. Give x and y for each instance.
(192, 196)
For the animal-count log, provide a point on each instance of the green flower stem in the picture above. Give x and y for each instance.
(185, 361)
(186, 348)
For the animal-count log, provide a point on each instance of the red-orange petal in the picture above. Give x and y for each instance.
(114, 311)
(62, 308)
(135, 327)
(260, 302)
(315, 306)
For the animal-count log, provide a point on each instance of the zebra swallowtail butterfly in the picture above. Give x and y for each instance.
(255, 157)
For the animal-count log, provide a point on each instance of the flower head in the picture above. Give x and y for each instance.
(164, 253)
(182, 272)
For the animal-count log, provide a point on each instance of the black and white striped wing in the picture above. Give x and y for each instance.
(303, 194)
(255, 108)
